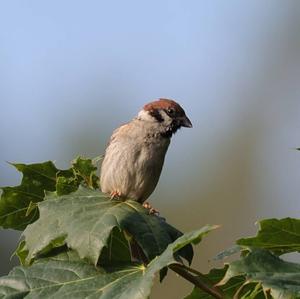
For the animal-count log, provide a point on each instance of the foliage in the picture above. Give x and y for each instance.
(69, 276)
(85, 219)
(229, 287)
(18, 205)
(79, 243)
(261, 266)
(260, 273)
(277, 235)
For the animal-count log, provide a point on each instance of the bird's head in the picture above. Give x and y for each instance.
(167, 114)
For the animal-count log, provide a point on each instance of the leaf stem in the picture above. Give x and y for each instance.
(198, 281)
(189, 269)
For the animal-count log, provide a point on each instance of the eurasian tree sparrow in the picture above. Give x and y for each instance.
(136, 151)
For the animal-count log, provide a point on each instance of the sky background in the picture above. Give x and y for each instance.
(72, 71)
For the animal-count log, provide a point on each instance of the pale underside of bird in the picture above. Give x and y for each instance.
(136, 151)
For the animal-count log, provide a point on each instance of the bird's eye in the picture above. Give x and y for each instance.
(170, 111)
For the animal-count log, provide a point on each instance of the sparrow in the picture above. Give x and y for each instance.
(135, 154)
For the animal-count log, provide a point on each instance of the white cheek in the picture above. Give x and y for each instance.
(167, 119)
(144, 115)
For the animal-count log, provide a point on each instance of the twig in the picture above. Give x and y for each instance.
(196, 280)
(189, 269)
(199, 274)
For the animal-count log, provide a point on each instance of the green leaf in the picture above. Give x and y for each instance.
(21, 253)
(229, 289)
(85, 220)
(31, 208)
(228, 252)
(18, 204)
(66, 182)
(17, 207)
(279, 236)
(261, 266)
(81, 172)
(255, 292)
(85, 169)
(118, 249)
(66, 276)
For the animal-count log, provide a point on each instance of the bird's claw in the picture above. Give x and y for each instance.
(115, 195)
(152, 210)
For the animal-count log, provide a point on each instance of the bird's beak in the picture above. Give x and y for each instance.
(185, 122)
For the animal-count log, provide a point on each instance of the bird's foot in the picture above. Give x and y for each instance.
(152, 210)
(115, 195)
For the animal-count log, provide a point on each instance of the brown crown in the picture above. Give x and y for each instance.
(164, 104)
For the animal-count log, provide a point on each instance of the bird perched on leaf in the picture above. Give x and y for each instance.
(136, 151)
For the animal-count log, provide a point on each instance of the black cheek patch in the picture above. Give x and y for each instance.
(156, 114)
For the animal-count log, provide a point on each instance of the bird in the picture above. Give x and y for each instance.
(135, 153)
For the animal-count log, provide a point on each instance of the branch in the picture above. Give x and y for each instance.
(198, 281)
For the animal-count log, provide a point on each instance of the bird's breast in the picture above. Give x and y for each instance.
(133, 166)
